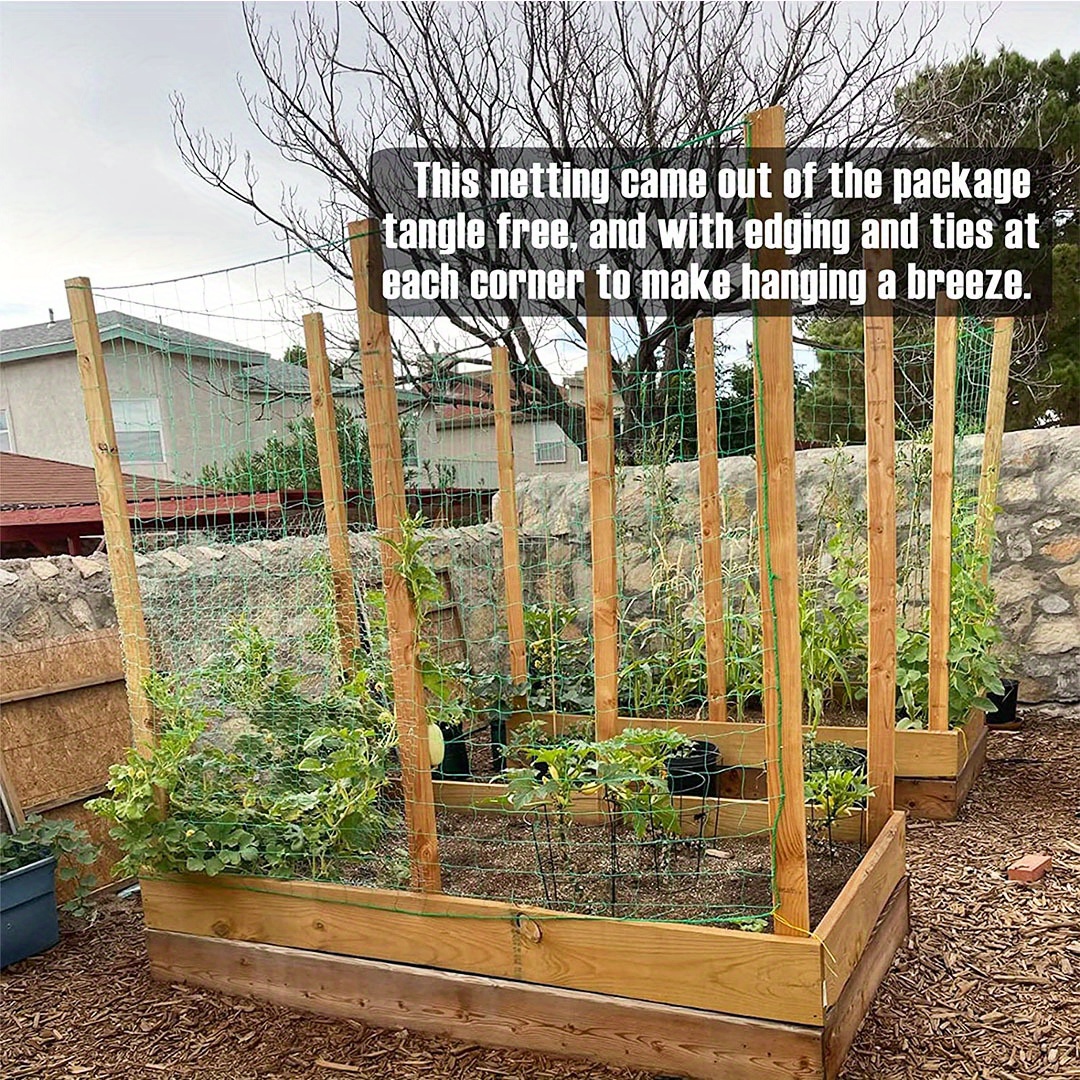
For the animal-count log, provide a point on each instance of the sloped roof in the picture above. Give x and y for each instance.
(37, 492)
(32, 481)
(46, 339)
(280, 377)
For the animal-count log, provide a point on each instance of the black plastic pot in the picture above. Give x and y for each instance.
(695, 772)
(498, 742)
(455, 762)
(1006, 704)
(28, 920)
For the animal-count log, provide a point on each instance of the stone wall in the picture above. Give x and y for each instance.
(1036, 562)
(192, 593)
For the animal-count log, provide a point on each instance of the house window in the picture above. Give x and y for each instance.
(410, 450)
(6, 441)
(138, 430)
(552, 452)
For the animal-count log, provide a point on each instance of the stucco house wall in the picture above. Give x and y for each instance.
(205, 417)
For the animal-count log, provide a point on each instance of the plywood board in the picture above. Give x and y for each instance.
(42, 667)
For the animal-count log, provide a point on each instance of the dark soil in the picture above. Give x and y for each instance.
(590, 871)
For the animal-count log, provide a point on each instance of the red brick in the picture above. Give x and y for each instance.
(1029, 868)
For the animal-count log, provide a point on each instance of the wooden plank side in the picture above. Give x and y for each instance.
(712, 580)
(774, 401)
(881, 543)
(941, 492)
(346, 618)
(44, 667)
(761, 975)
(384, 438)
(586, 808)
(849, 922)
(998, 393)
(968, 736)
(508, 515)
(971, 770)
(600, 436)
(844, 1019)
(493, 1012)
(135, 640)
(940, 800)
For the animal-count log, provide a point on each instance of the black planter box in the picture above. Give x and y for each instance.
(1006, 705)
(28, 920)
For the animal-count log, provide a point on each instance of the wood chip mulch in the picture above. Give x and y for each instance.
(988, 985)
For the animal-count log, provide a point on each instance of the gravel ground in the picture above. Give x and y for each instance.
(986, 987)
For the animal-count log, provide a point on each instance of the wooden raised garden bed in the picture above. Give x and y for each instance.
(698, 1001)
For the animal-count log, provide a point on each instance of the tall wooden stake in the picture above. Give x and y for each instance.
(881, 542)
(508, 514)
(711, 527)
(995, 428)
(600, 435)
(384, 439)
(941, 491)
(774, 398)
(134, 640)
(333, 494)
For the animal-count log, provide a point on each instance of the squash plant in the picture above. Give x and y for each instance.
(630, 773)
(300, 791)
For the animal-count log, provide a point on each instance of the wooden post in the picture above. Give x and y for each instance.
(711, 527)
(941, 491)
(881, 544)
(600, 436)
(774, 397)
(134, 640)
(333, 494)
(995, 428)
(384, 439)
(508, 514)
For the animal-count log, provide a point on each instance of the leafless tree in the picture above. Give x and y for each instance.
(479, 76)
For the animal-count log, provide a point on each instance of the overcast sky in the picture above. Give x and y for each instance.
(91, 182)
